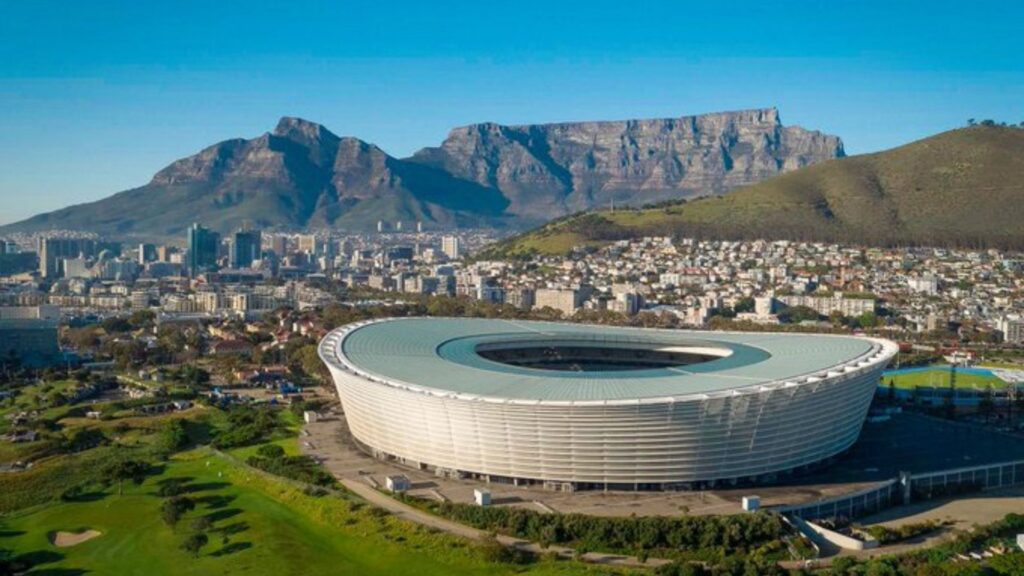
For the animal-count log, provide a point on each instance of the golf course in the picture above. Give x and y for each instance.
(257, 524)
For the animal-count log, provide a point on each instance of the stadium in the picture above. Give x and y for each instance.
(577, 407)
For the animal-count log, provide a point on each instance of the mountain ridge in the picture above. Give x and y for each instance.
(301, 175)
(960, 188)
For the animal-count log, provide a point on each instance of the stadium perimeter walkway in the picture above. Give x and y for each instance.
(406, 512)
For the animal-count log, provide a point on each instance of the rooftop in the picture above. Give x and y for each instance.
(442, 356)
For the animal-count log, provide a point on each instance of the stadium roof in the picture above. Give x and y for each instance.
(438, 355)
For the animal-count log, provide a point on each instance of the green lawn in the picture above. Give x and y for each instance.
(262, 525)
(940, 379)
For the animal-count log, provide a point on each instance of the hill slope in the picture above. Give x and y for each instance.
(960, 188)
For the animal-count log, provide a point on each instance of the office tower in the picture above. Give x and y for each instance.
(308, 243)
(147, 253)
(245, 248)
(28, 335)
(452, 246)
(163, 253)
(52, 252)
(202, 249)
(279, 245)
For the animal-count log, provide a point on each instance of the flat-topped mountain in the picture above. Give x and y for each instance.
(556, 169)
(961, 188)
(303, 176)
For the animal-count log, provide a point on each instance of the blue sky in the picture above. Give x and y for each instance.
(96, 97)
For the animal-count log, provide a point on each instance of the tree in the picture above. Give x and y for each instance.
(193, 375)
(134, 470)
(308, 360)
(84, 439)
(798, 314)
(867, 320)
(272, 451)
(115, 324)
(173, 436)
(82, 338)
(201, 524)
(141, 319)
(194, 543)
(842, 566)
(744, 305)
(174, 508)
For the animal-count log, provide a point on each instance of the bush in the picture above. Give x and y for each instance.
(886, 535)
(272, 451)
(247, 425)
(72, 493)
(728, 534)
(171, 487)
(497, 553)
(84, 439)
(194, 543)
(174, 508)
(301, 468)
(173, 436)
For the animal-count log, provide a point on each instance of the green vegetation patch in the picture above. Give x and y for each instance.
(253, 524)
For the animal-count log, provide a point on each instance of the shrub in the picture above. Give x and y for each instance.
(494, 551)
(174, 508)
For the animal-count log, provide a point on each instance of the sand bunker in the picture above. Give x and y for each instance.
(66, 539)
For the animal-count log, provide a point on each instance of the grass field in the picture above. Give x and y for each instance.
(940, 377)
(261, 525)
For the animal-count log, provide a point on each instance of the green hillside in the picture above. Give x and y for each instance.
(964, 188)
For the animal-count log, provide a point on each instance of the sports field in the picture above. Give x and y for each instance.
(939, 377)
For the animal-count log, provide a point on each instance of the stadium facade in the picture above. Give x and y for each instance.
(575, 406)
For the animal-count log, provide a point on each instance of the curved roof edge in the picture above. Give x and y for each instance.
(877, 356)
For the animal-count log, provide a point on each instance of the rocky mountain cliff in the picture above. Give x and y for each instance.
(301, 175)
(961, 188)
(298, 176)
(555, 169)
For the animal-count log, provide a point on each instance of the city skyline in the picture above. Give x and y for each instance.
(104, 116)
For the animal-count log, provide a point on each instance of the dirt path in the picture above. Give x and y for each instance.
(315, 442)
(406, 512)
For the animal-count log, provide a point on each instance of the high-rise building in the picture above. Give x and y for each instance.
(202, 249)
(566, 300)
(279, 245)
(28, 335)
(147, 253)
(52, 252)
(245, 248)
(1012, 329)
(452, 247)
(308, 244)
